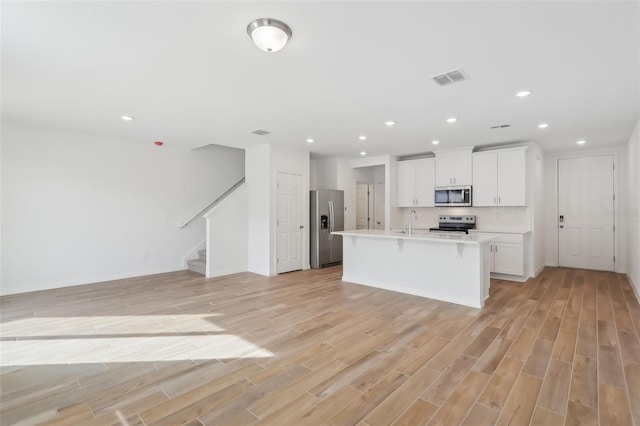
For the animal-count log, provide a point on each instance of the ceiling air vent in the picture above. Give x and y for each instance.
(500, 126)
(260, 132)
(450, 77)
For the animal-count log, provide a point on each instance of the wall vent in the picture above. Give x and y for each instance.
(450, 77)
(500, 126)
(260, 132)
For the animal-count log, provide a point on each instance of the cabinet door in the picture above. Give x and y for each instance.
(511, 178)
(492, 260)
(485, 179)
(444, 168)
(508, 258)
(425, 180)
(406, 183)
(462, 165)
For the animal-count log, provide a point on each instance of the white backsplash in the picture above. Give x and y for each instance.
(427, 217)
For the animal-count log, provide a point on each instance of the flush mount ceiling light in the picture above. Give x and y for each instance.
(523, 93)
(310, 140)
(389, 123)
(435, 142)
(362, 138)
(363, 153)
(581, 142)
(126, 118)
(543, 125)
(269, 34)
(452, 120)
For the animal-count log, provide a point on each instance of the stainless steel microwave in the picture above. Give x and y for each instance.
(453, 196)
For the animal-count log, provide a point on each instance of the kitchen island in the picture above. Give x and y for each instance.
(452, 268)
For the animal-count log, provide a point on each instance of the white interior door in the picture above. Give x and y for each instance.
(362, 205)
(289, 222)
(379, 205)
(585, 213)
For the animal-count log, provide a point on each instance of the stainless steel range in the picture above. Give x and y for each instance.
(455, 224)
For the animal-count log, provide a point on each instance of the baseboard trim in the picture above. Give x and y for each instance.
(97, 280)
(225, 272)
(634, 288)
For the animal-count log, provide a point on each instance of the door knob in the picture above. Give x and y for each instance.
(561, 226)
(301, 226)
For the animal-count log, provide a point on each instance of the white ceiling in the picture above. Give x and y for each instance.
(191, 76)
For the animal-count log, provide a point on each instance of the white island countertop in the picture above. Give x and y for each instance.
(449, 267)
(418, 236)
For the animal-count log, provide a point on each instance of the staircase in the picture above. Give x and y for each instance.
(199, 265)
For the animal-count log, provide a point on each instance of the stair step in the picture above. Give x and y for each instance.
(202, 254)
(197, 265)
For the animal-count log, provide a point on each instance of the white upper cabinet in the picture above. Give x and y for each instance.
(453, 167)
(415, 183)
(499, 177)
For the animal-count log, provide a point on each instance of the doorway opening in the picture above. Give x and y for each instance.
(370, 197)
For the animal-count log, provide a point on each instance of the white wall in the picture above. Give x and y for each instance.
(227, 234)
(551, 202)
(263, 163)
(632, 214)
(79, 209)
(258, 181)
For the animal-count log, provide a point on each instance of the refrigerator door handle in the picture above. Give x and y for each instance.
(331, 220)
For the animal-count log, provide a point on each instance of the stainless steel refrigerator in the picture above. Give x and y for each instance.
(327, 215)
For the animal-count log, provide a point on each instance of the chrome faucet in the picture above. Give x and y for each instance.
(412, 213)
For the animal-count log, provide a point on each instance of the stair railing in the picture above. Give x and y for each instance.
(213, 203)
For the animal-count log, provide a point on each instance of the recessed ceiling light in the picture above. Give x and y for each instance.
(127, 117)
(523, 93)
(581, 142)
(310, 140)
(363, 137)
(435, 142)
(452, 120)
(543, 125)
(389, 123)
(363, 153)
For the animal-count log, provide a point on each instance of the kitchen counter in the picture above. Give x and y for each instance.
(417, 235)
(452, 268)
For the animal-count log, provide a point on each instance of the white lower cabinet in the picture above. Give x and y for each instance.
(507, 254)
(508, 259)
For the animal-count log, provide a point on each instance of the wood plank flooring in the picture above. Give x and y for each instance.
(305, 348)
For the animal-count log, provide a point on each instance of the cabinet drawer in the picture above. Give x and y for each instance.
(509, 238)
(503, 238)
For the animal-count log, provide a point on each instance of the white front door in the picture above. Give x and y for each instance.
(379, 205)
(289, 222)
(362, 205)
(585, 213)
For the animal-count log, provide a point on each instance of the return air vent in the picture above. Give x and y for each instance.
(450, 77)
(260, 132)
(500, 126)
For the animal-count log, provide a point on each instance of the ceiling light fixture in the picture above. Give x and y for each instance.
(581, 142)
(126, 118)
(310, 140)
(269, 34)
(390, 123)
(543, 125)
(452, 120)
(435, 142)
(523, 93)
(362, 138)
(363, 153)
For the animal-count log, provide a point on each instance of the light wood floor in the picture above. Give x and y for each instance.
(306, 349)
